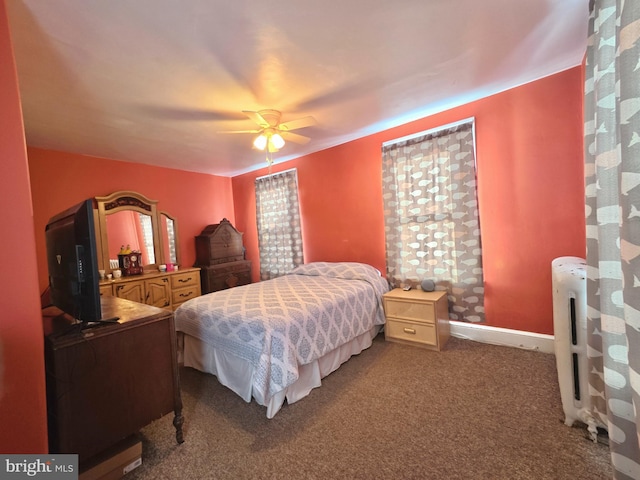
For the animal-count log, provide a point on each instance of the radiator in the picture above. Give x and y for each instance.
(569, 283)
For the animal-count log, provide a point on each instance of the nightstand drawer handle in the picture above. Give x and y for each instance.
(409, 330)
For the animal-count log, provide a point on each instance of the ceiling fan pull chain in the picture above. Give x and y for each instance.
(269, 159)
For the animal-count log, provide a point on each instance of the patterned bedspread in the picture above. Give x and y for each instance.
(292, 320)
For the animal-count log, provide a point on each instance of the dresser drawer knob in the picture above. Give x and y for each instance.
(409, 330)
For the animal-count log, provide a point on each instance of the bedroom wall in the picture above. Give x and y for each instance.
(530, 193)
(60, 180)
(23, 414)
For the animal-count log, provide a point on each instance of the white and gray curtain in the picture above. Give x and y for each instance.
(279, 227)
(147, 237)
(432, 229)
(612, 173)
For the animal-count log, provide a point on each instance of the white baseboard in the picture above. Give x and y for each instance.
(502, 336)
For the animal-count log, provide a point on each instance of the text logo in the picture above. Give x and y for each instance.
(51, 467)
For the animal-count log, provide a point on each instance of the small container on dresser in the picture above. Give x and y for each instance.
(417, 318)
(221, 257)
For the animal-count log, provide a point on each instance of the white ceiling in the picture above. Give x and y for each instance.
(154, 81)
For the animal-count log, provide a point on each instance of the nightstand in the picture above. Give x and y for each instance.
(417, 318)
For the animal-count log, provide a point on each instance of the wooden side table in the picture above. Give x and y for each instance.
(417, 318)
(106, 382)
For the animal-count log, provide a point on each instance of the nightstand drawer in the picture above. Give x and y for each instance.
(424, 333)
(421, 312)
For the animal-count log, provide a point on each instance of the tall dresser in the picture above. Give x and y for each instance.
(220, 255)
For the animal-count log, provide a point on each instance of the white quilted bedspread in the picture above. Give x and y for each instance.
(292, 320)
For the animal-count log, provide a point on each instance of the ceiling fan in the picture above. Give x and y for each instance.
(272, 134)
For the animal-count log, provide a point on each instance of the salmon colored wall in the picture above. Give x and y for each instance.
(60, 180)
(530, 193)
(340, 206)
(23, 414)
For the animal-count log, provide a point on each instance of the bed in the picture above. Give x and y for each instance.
(275, 340)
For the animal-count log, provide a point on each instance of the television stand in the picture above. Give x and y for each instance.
(108, 382)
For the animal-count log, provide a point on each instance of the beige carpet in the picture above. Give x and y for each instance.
(472, 411)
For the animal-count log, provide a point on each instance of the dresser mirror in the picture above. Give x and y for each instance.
(133, 230)
(130, 219)
(169, 238)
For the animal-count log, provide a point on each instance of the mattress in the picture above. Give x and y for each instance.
(278, 331)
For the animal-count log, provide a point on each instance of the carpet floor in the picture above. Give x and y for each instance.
(471, 411)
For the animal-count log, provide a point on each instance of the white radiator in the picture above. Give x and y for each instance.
(569, 283)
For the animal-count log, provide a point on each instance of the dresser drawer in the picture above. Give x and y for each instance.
(225, 276)
(423, 333)
(421, 312)
(181, 295)
(187, 279)
(106, 290)
(229, 268)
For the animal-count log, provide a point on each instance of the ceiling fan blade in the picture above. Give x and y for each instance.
(294, 137)
(185, 113)
(240, 131)
(256, 117)
(299, 123)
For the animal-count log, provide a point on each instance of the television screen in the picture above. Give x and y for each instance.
(73, 262)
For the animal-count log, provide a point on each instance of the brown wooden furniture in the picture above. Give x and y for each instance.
(417, 318)
(161, 289)
(108, 381)
(221, 257)
(159, 243)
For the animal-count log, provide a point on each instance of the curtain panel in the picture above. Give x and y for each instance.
(612, 187)
(278, 221)
(431, 216)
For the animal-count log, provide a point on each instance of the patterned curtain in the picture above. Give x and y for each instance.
(431, 216)
(278, 219)
(612, 171)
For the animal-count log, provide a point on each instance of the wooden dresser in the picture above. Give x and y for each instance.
(417, 318)
(161, 289)
(220, 256)
(108, 381)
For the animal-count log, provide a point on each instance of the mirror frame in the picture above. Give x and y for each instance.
(117, 202)
(166, 255)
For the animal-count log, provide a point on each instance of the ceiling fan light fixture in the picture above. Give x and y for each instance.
(277, 141)
(272, 133)
(272, 141)
(260, 142)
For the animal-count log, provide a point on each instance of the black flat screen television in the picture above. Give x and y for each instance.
(73, 262)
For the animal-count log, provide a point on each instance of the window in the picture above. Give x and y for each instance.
(278, 220)
(431, 215)
(147, 236)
